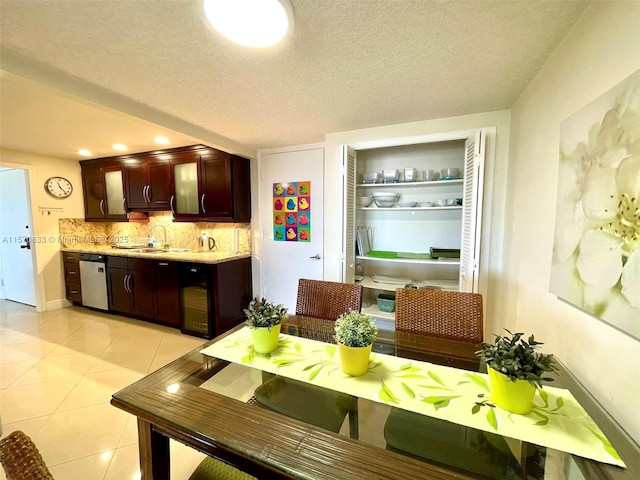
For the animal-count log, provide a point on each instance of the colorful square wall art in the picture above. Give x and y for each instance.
(596, 253)
(292, 212)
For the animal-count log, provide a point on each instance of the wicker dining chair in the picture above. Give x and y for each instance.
(318, 406)
(440, 313)
(21, 459)
(454, 323)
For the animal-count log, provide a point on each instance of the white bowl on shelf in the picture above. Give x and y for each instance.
(364, 201)
(385, 199)
(407, 204)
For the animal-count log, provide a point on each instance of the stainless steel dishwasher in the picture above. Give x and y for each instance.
(93, 281)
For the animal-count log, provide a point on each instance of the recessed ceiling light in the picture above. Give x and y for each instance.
(162, 140)
(84, 152)
(119, 146)
(252, 23)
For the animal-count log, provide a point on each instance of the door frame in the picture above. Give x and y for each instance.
(38, 280)
(265, 217)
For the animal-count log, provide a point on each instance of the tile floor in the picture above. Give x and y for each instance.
(58, 371)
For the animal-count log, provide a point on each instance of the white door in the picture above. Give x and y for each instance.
(288, 253)
(472, 212)
(16, 233)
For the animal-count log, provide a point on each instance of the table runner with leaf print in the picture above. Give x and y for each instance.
(557, 420)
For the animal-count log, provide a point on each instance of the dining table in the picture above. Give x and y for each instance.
(207, 403)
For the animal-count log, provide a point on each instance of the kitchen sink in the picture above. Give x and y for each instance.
(147, 250)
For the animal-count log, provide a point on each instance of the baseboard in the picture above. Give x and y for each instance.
(57, 304)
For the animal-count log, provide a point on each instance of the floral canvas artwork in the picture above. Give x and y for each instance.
(596, 255)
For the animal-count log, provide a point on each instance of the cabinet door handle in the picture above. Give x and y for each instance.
(202, 203)
(144, 193)
(124, 204)
(171, 204)
(148, 193)
(129, 284)
(316, 257)
(102, 206)
(124, 283)
(163, 264)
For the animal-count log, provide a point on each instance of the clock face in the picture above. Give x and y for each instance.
(59, 187)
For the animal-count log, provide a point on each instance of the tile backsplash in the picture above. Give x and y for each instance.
(75, 231)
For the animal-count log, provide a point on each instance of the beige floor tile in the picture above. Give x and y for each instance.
(10, 372)
(30, 427)
(93, 467)
(97, 388)
(35, 400)
(17, 352)
(124, 355)
(75, 434)
(56, 367)
(124, 464)
(177, 345)
(130, 433)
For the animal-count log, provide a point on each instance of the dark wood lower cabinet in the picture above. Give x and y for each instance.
(167, 296)
(231, 293)
(131, 287)
(150, 289)
(71, 265)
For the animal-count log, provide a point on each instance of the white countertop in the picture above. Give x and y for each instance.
(188, 256)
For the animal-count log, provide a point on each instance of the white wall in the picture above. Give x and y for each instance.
(601, 49)
(50, 277)
(493, 253)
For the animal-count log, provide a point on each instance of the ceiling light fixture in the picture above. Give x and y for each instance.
(84, 152)
(162, 140)
(119, 146)
(252, 23)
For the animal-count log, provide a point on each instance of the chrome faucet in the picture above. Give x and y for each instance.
(164, 230)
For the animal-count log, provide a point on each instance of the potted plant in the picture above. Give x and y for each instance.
(264, 319)
(515, 370)
(355, 334)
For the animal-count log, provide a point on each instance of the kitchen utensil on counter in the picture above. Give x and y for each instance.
(206, 243)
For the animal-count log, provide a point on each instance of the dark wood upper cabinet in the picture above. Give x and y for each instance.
(196, 183)
(148, 184)
(210, 185)
(103, 191)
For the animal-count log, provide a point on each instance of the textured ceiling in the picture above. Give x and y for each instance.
(348, 65)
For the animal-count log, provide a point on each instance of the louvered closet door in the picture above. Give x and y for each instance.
(349, 214)
(472, 212)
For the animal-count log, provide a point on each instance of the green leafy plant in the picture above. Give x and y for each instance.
(261, 313)
(355, 329)
(517, 359)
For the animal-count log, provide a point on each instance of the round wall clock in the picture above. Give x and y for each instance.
(58, 187)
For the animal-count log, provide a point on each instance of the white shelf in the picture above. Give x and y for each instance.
(374, 311)
(440, 261)
(411, 209)
(367, 282)
(411, 184)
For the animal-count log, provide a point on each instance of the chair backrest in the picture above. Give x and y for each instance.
(440, 313)
(21, 459)
(327, 300)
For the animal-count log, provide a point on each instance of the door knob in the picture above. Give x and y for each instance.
(316, 256)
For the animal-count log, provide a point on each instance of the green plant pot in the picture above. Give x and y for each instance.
(514, 397)
(265, 340)
(354, 360)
